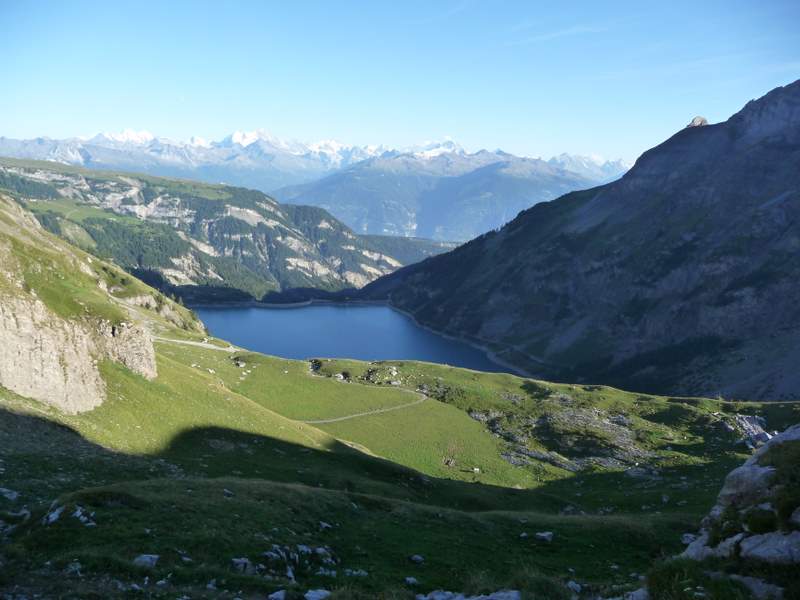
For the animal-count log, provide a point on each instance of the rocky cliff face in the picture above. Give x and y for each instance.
(757, 514)
(128, 344)
(754, 528)
(680, 278)
(58, 320)
(47, 359)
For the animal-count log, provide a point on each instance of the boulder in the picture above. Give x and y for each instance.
(146, 561)
(544, 536)
(795, 518)
(774, 547)
(8, 494)
(760, 589)
(243, 565)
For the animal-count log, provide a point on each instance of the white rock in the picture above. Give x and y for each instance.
(146, 561)
(688, 538)
(411, 581)
(10, 495)
(243, 565)
(574, 587)
(417, 559)
(279, 595)
(640, 594)
(53, 515)
(795, 518)
(316, 594)
(775, 547)
(697, 550)
(544, 536)
(760, 589)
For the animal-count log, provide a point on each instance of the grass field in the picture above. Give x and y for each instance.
(162, 454)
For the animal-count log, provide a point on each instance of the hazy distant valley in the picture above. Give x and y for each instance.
(436, 190)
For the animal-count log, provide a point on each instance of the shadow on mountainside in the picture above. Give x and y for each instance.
(218, 493)
(43, 458)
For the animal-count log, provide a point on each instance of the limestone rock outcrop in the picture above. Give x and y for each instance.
(46, 358)
(55, 360)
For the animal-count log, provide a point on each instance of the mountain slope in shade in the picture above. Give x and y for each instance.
(204, 242)
(681, 277)
(446, 196)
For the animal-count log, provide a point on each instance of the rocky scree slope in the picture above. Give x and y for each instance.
(751, 537)
(452, 196)
(202, 241)
(56, 323)
(681, 277)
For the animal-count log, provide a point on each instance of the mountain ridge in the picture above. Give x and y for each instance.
(450, 196)
(204, 242)
(691, 252)
(240, 155)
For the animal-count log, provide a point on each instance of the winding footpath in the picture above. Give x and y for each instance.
(232, 348)
(206, 345)
(377, 411)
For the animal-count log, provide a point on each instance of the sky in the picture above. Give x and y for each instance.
(532, 78)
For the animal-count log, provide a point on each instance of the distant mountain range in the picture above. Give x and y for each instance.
(445, 195)
(681, 277)
(435, 190)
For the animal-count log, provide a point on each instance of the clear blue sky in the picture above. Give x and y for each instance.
(533, 78)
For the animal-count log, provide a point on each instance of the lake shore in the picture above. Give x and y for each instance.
(488, 352)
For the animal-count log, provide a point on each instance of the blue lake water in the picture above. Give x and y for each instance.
(365, 332)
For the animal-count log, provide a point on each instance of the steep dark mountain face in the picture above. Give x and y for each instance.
(205, 242)
(452, 196)
(682, 277)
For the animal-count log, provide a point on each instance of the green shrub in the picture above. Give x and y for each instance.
(685, 579)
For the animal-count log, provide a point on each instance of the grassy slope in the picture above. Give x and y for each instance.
(290, 476)
(152, 463)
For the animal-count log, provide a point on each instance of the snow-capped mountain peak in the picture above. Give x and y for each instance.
(434, 149)
(127, 136)
(247, 138)
(592, 166)
(199, 142)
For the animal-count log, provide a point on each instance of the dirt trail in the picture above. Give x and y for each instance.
(377, 411)
(206, 345)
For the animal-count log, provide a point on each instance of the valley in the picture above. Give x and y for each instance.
(331, 474)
